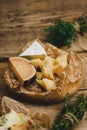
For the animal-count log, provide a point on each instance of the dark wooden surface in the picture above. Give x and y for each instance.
(24, 20)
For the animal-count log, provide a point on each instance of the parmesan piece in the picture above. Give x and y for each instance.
(47, 67)
(47, 84)
(61, 63)
(36, 62)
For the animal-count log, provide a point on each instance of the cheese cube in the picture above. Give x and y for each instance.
(47, 84)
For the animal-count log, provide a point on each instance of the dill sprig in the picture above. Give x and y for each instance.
(71, 113)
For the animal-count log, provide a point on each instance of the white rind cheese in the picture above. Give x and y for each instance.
(34, 51)
(10, 119)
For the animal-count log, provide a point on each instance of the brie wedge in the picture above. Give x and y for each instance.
(34, 51)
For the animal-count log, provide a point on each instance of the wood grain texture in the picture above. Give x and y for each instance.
(24, 20)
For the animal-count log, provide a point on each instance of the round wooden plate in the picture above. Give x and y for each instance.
(69, 81)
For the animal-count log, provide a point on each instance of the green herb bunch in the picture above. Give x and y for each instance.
(81, 22)
(70, 114)
(62, 33)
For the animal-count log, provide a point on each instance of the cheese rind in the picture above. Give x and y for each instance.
(22, 69)
(34, 51)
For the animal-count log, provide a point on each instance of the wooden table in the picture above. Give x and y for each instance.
(24, 20)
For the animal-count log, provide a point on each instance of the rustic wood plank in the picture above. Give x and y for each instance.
(24, 20)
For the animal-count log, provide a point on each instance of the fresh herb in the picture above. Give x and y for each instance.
(62, 33)
(3, 120)
(71, 113)
(81, 22)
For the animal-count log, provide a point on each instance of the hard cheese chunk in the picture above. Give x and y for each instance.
(61, 63)
(34, 51)
(9, 120)
(47, 84)
(22, 69)
(47, 67)
(36, 62)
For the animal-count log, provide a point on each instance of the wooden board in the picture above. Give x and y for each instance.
(24, 20)
(50, 110)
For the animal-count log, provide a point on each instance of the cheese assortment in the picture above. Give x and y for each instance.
(47, 65)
